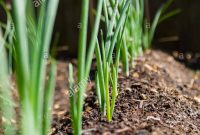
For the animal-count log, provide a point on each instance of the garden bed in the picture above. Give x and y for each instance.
(161, 96)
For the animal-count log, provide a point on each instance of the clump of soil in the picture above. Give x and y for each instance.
(159, 97)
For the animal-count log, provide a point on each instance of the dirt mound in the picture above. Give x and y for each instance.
(159, 97)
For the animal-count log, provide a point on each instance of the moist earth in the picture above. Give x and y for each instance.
(159, 97)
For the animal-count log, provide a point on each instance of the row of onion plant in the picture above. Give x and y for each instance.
(125, 35)
(140, 30)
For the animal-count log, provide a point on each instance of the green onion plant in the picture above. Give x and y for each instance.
(84, 65)
(159, 17)
(138, 32)
(31, 46)
(134, 29)
(125, 34)
(108, 54)
(8, 34)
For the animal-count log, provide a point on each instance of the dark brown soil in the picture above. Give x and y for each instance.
(160, 97)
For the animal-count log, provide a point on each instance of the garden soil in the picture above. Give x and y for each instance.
(159, 97)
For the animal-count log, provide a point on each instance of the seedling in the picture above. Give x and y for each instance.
(8, 35)
(84, 64)
(134, 29)
(138, 32)
(160, 16)
(107, 65)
